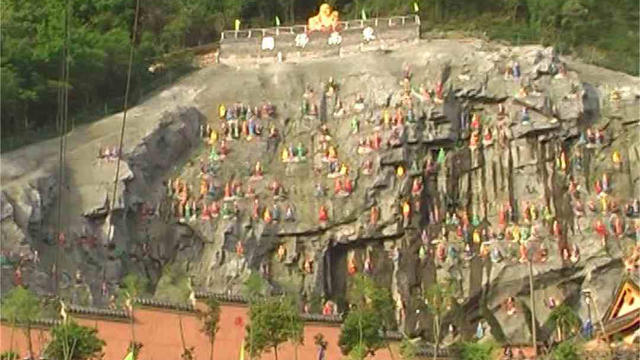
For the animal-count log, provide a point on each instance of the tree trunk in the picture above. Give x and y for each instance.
(13, 328)
(29, 343)
(390, 352)
(533, 308)
(275, 352)
(184, 346)
(213, 339)
(436, 343)
(133, 331)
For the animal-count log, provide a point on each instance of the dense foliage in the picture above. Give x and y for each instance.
(361, 333)
(438, 298)
(74, 342)
(371, 316)
(210, 321)
(565, 320)
(21, 306)
(273, 321)
(567, 350)
(603, 32)
(476, 351)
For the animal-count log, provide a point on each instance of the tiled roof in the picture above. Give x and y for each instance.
(101, 312)
(633, 279)
(427, 351)
(239, 299)
(620, 323)
(393, 335)
(322, 318)
(42, 322)
(164, 304)
(222, 297)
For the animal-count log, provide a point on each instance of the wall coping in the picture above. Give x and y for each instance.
(42, 322)
(156, 303)
(241, 300)
(98, 312)
(299, 29)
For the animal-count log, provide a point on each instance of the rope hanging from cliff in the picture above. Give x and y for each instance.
(62, 121)
(126, 105)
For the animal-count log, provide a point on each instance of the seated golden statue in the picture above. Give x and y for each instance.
(326, 20)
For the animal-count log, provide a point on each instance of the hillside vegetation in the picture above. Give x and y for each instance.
(602, 32)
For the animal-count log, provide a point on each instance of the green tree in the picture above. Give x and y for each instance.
(210, 321)
(438, 299)
(131, 288)
(567, 350)
(254, 287)
(361, 333)
(367, 295)
(21, 306)
(476, 351)
(175, 286)
(408, 349)
(70, 341)
(565, 320)
(9, 355)
(273, 321)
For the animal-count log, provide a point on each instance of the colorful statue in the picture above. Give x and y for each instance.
(326, 20)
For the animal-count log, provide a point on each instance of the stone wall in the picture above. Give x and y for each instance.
(388, 33)
(158, 330)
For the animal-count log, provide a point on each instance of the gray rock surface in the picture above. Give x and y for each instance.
(143, 234)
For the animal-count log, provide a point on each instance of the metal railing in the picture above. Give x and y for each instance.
(342, 25)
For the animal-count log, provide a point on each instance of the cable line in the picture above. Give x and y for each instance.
(124, 114)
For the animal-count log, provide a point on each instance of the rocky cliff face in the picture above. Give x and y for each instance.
(483, 172)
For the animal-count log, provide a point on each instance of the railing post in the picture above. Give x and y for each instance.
(403, 19)
(376, 22)
(389, 22)
(236, 33)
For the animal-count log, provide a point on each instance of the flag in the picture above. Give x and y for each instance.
(129, 304)
(441, 156)
(416, 8)
(237, 24)
(129, 356)
(277, 21)
(364, 15)
(242, 350)
(63, 311)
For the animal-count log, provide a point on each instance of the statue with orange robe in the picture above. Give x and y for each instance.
(323, 215)
(406, 213)
(326, 20)
(282, 252)
(375, 215)
(352, 268)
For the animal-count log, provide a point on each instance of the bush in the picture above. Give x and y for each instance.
(475, 351)
(83, 340)
(567, 350)
(9, 355)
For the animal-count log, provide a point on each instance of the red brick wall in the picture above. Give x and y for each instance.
(158, 330)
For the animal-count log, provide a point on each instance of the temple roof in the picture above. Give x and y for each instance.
(630, 278)
(623, 322)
